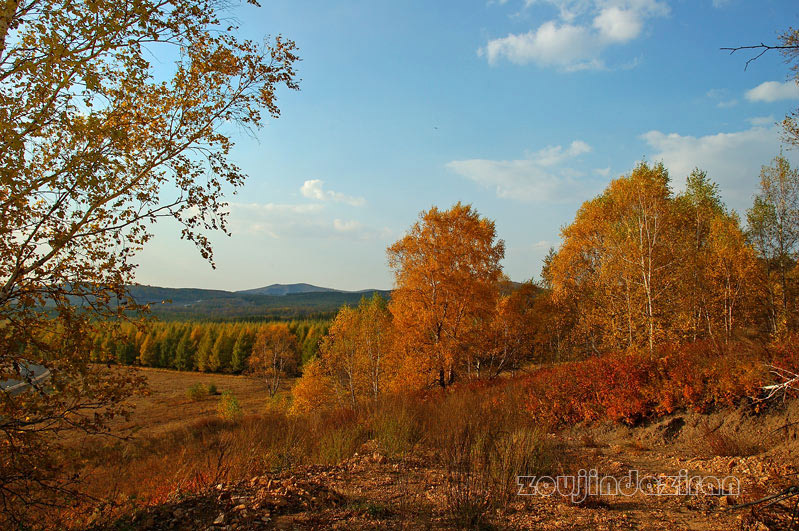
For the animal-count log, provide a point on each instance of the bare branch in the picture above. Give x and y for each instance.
(762, 47)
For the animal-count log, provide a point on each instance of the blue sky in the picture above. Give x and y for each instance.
(524, 109)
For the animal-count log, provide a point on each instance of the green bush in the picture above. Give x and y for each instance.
(195, 392)
(228, 407)
(341, 442)
(199, 391)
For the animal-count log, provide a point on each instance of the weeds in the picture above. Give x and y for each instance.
(396, 427)
(228, 407)
(483, 445)
(723, 442)
(199, 391)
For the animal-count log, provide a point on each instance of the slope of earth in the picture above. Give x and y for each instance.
(372, 491)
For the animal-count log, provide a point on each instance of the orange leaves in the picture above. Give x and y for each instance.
(630, 387)
(639, 267)
(446, 271)
(356, 362)
(274, 354)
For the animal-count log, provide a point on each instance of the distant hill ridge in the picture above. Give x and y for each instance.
(289, 289)
(281, 301)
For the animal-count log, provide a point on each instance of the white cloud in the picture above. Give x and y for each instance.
(346, 226)
(771, 91)
(536, 178)
(359, 231)
(552, 155)
(618, 25)
(584, 29)
(568, 9)
(314, 189)
(733, 160)
(277, 207)
(762, 120)
(564, 46)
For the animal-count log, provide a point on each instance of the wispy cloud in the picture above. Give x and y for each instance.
(604, 172)
(577, 38)
(540, 176)
(762, 120)
(296, 221)
(280, 208)
(314, 189)
(721, 97)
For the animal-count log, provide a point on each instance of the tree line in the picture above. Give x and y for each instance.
(208, 346)
(639, 267)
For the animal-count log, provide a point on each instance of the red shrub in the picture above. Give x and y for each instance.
(628, 388)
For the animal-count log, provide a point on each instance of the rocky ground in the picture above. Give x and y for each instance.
(371, 491)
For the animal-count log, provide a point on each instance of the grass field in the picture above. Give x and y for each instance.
(167, 406)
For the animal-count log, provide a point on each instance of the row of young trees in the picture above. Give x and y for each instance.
(210, 347)
(640, 266)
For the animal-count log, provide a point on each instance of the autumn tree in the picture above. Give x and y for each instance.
(639, 266)
(773, 229)
(375, 337)
(274, 355)
(148, 354)
(618, 263)
(732, 277)
(94, 147)
(356, 362)
(446, 270)
(338, 357)
(510, 337)
(184, 352)
(205, 347)
(221, 352)
(698, 206)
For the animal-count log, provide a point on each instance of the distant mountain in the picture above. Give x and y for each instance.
(157, 295)
(289, 289)
(277, 301)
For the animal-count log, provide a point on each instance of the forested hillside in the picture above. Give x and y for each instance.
(191, 303)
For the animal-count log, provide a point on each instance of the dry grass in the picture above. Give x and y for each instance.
(168, 406)
(724, 442)
(184, 446)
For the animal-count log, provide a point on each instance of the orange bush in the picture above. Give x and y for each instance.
(629, 387)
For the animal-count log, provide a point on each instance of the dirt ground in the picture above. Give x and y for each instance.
(372, 491)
